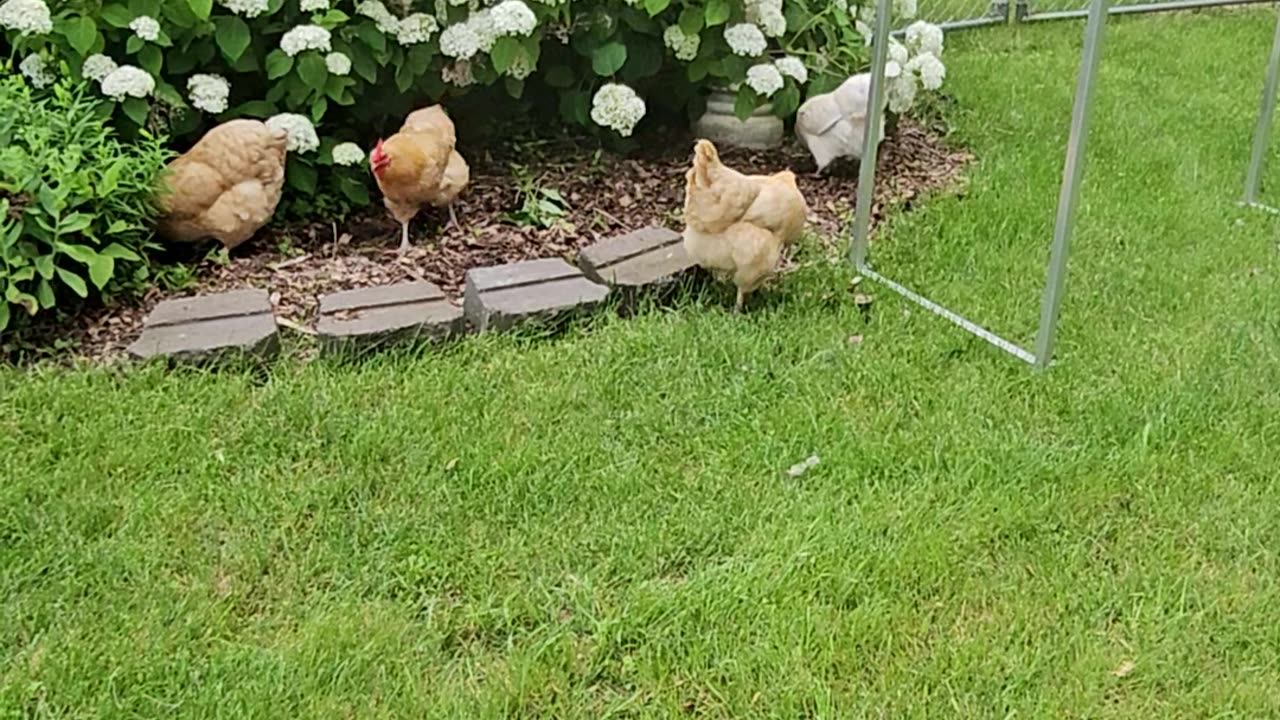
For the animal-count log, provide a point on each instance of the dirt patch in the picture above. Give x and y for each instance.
(602, 196)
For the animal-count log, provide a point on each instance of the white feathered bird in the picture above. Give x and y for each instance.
(833, 125)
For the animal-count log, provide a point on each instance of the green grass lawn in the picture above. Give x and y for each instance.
(602, 525)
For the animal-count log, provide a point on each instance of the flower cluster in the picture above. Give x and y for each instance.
(765, 79)
(617, 107)
(793, 68)
(146, 28)
(684, 46)
(28, 17)
(128, 81)
(306, 37)
(97, 67)
(417, 28)
(302, 134)
(746, 40)
(314, 5)
(767, 14)
(209, 93)
(512, 18)
(246, 8)
(337, 63)
(381, 16)
(347, 154)
(37, 71)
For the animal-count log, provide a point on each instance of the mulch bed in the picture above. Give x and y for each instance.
(606, 196)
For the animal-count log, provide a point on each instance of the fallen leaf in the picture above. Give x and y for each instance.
(855, 340)
(1125, 670)
(801, 468)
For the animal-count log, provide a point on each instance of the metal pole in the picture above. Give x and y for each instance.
(1262, 134)
(871, 143)
(1072, 172)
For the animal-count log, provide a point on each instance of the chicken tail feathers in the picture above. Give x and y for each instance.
(705, 159)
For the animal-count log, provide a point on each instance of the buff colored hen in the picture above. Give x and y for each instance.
(737, 225)
(420, 165)
(227, 186)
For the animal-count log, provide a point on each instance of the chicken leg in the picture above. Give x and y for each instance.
(404, 239)
(742, 298)
(453, 219)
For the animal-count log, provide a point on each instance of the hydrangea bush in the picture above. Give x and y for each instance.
(337, 72)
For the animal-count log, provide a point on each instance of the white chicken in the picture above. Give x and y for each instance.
(834, 125)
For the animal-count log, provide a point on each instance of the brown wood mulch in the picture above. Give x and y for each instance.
(603, 196)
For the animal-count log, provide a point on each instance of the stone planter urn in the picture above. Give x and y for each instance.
(762, 131)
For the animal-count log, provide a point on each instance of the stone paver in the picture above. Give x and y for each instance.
(210, 327)
(377, 316)
(501, 297)
(648, 257)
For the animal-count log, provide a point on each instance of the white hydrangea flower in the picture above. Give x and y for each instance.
(902, 92)
(302, 134)
(684, 46)
(484, 29)
(347, 154)
(459, 41)
(128, 81)
(209, 93)
(458, 74)
(746, 40)
(417, 28)
(37, 71)
(892, 69)
(146, 28)
(246, 8)
(314, 5)
(841, 5)
(618, 107)
(905, 8)
(305, 37)
(924, 37)
(767, 14)
(931, 70)
(28, 17)
(865, 31)
(898, 52)
(337, 63)
(764, 79)
(96, 67)
(378, 13)
(512, 18)
(793, 67)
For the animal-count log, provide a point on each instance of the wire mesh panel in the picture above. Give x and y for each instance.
(962, 12)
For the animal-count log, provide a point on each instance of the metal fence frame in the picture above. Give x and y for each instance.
(1068, 198)
(1262, 133)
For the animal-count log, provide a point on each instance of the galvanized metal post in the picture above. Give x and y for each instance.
(871, 143)
(1262, 134)
(1072, 172)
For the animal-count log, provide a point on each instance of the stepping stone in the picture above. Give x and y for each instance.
(501, 297)
(210, 327)
(372, 317)
(644, 258)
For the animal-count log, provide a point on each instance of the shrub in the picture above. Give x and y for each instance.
(354, 67)
(75, 202)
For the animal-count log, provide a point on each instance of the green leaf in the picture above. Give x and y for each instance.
(136, 109)
(515, 88)
(575, 107)
(4, 315)
(560, 76)
(506, 51)
(609, 59)
(318, 109)
(278, 64)
(44, 294)
(644, 59)
(301, 176)
(312, 71)
(355, 190)
(73, 281)
(120, 252)
(100, 271)
(151, 59)
(786, 101)
(717, 12)
(81, 33)
(201, 8)
(44, 266)
(117, 16)
(656, 6)
(255, 109)
(745, 104)
(134, 44)
(698, 70)
(691, 20)
(233, 37)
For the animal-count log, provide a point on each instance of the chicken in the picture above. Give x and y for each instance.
(737, 225)
(834, 125)
(227, 186)
(418, 166)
